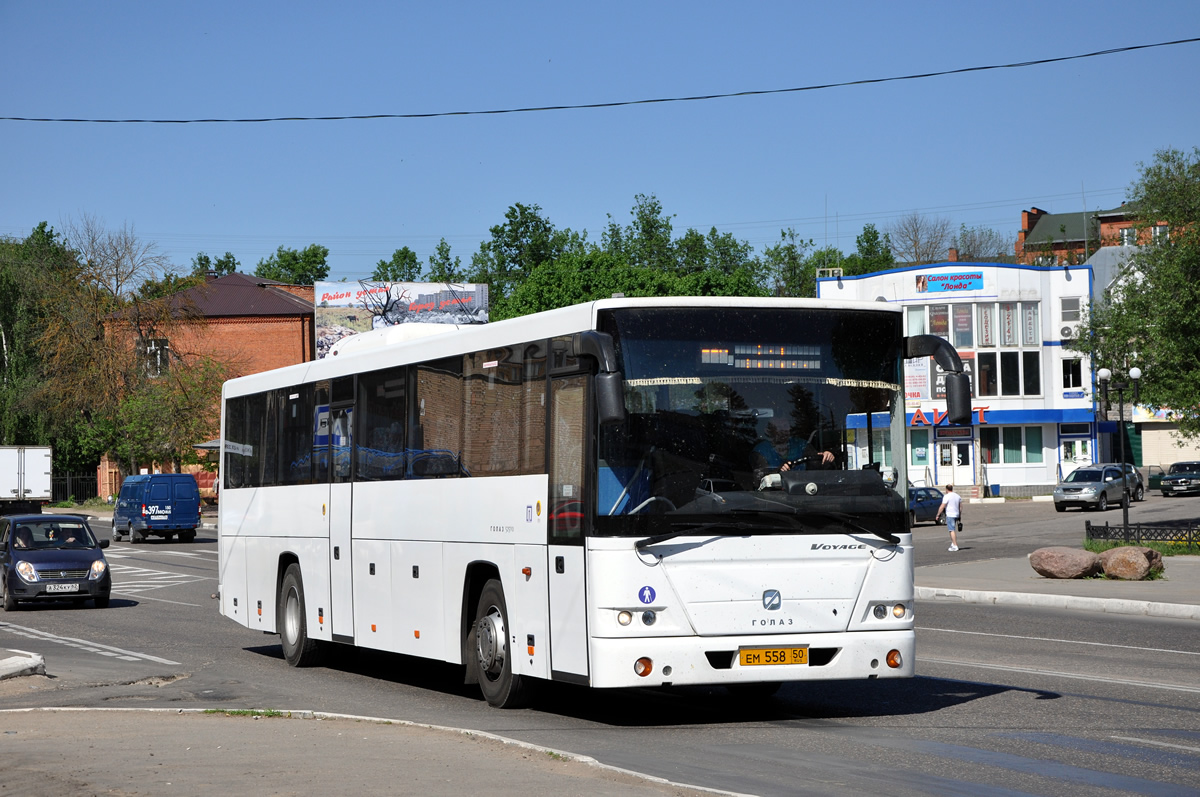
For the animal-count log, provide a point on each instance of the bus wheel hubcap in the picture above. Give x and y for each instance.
(489, 642)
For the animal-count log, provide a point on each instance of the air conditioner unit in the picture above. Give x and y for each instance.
(1067, 332)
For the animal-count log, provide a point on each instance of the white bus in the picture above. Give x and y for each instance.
(595, 494)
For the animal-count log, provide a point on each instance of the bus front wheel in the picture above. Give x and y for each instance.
(298, 649)
(501, 687)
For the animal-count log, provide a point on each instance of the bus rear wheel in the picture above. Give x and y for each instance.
(298, 649)
(501, 687)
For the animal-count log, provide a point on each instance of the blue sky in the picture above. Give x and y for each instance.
(975, 148)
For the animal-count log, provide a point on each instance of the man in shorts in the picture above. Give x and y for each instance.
(952, 508)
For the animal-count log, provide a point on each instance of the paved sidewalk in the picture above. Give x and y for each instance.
(1014, 582)
(171, 751)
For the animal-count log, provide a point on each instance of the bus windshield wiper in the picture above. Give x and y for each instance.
(688, 527)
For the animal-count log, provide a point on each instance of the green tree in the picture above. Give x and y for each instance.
(403, 267)
(873, 253)
(202, 264)
(169, 284)
(442, 266)
(293, 267)
(1150, 317)
(792, 274)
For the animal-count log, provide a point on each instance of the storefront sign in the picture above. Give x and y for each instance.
(954, 433)
(946, 283)
(936, 416)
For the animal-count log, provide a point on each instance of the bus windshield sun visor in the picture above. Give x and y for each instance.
(610, 385)
(958, 384)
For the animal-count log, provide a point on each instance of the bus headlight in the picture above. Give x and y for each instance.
(880, 611)
(648, 618)
(899, 610)
(625, 618)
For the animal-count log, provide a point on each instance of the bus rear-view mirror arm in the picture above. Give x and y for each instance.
(610, 384)
(958, 384)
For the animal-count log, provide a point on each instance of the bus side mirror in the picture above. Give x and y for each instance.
(610, 398)
(610, 385)
(958, 399)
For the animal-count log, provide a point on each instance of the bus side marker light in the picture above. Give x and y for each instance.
(529, 643)
(417, 633)
(893, 659)
(372, 628)
(320, 617)
(643, 666)
(528, 572)
(260, 608)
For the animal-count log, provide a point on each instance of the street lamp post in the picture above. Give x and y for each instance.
(1105, 375)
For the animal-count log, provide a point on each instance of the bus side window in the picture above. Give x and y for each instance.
(568, 427)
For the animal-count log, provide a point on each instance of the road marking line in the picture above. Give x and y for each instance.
(1065, 641)
(1160, 744)
(1058, 674)
(96, 647)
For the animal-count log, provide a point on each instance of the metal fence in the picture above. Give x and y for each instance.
(80, 486)
(1180, 535)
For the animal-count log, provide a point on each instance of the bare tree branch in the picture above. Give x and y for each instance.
(918, 239)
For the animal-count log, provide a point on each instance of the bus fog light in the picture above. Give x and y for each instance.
(648, 618)
(899, 610)
(880, 611)
(643, 666)
(625, 618)
(893, 659)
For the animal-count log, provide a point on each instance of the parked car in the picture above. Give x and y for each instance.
(165, 504)
(51, 557)
(1090, 487)
(1137, 487)
(1182, 479)
(923, 503)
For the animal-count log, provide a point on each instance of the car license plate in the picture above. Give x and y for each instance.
(62, 588)
(751, 657)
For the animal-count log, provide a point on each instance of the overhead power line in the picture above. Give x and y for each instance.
(617, 104)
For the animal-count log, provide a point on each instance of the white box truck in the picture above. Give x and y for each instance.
(24, 478)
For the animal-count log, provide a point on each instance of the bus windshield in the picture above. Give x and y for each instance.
(739, 419)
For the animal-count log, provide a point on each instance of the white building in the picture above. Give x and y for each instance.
(1035, 418)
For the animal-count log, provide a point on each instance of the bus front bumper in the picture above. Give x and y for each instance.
(690, 661)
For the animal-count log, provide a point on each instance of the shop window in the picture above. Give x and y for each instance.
(1031, 366)
(916, 321)
(919, 441)
(1033, 444)
(989, 445)
(1010, 373)
(1012, 445)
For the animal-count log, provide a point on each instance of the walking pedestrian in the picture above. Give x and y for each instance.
(952, 508)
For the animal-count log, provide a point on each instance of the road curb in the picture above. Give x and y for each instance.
(1175, 611)
(24, 664)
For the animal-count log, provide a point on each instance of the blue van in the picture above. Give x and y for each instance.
(164, 504)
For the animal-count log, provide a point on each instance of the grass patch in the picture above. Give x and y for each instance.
(246, 712)
(1164, 548)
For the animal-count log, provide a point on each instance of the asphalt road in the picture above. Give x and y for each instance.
(1005, 701)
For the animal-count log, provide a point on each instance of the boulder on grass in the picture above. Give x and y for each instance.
(1129, 564)
(1062, 562)
(1152, 556)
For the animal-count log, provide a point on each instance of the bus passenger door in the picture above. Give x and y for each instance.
(341, 581)
(568, 606)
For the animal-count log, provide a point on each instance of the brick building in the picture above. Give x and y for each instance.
(249, 323)
(1056, 239)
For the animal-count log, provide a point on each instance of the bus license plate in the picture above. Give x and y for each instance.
(62, 588)
(751, 657)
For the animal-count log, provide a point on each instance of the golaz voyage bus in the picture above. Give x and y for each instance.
(630, 492)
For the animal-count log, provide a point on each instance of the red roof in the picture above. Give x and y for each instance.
(242, 295)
